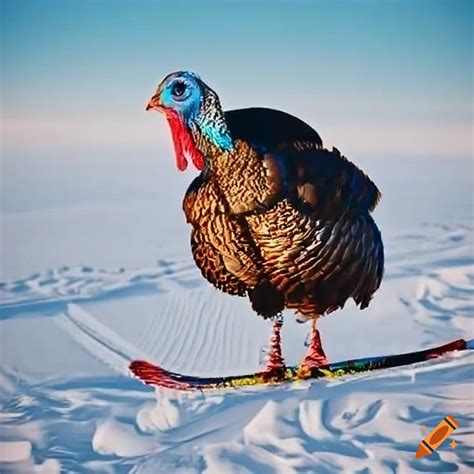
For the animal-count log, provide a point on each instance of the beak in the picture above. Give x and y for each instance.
(154, 103)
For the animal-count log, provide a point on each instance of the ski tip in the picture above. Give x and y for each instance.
(138, 365)
(152, 374)
(470, 344)
(146, 372)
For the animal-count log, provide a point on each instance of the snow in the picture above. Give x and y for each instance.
(97, 271)
(15, 451)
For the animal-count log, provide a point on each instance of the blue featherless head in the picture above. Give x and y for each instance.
(196, 104)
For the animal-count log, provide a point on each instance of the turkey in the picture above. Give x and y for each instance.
(275, 216)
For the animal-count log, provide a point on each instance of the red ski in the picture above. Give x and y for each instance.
(154, 375)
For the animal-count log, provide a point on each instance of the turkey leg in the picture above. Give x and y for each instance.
(315, 357)
(275, 362)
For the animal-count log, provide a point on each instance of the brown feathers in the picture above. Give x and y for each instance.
(288, 225)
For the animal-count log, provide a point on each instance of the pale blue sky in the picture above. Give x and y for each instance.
(372, 77)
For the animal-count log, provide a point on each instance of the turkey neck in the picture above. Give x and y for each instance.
(242, 175)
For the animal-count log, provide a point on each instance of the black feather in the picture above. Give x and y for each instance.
(268, 127)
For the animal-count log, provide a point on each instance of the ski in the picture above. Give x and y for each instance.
(155, 375)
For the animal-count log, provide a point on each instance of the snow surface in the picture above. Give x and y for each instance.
(97, 271)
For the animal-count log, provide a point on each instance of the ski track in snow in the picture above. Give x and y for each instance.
(109, 422)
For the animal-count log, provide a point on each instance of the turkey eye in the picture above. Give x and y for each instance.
(178, 89)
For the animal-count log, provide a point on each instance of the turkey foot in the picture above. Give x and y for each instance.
(315, 357)
(275, 365)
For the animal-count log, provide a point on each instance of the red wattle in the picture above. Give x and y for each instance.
(183, 143)
(198, 159)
